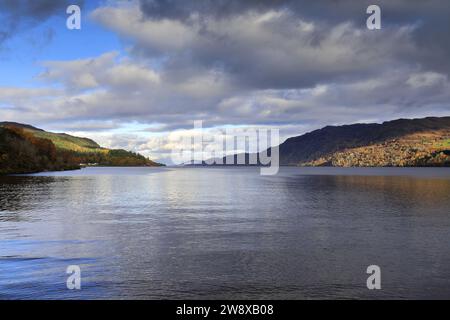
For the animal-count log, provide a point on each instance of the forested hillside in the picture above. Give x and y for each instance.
(403, 142)
(26, 149)
(397, 143)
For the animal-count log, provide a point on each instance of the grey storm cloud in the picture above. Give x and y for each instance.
(430, 36)
(267, 58)
(398, 11)
(179, 9)
(19, 15)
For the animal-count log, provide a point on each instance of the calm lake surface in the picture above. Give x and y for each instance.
(226, 233)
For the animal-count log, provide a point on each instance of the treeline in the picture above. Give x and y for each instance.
(125, 158)
(22, 152)
(114, 158)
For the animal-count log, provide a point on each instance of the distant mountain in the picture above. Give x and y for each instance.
(403, 142)
(26, 149)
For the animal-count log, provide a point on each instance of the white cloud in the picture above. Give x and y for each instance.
(252, 68)
(426, 79)
(160, 36)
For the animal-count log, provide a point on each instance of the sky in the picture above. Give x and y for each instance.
(139, 72)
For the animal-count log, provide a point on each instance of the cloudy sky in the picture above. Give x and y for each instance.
(139, 73)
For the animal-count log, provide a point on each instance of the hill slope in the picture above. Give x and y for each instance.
(25, 149)
(403, 142)
(416, 142)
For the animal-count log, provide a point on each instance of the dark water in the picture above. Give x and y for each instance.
(226, 233)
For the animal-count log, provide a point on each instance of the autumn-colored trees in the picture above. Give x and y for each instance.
(21, 152)
(25, 150)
